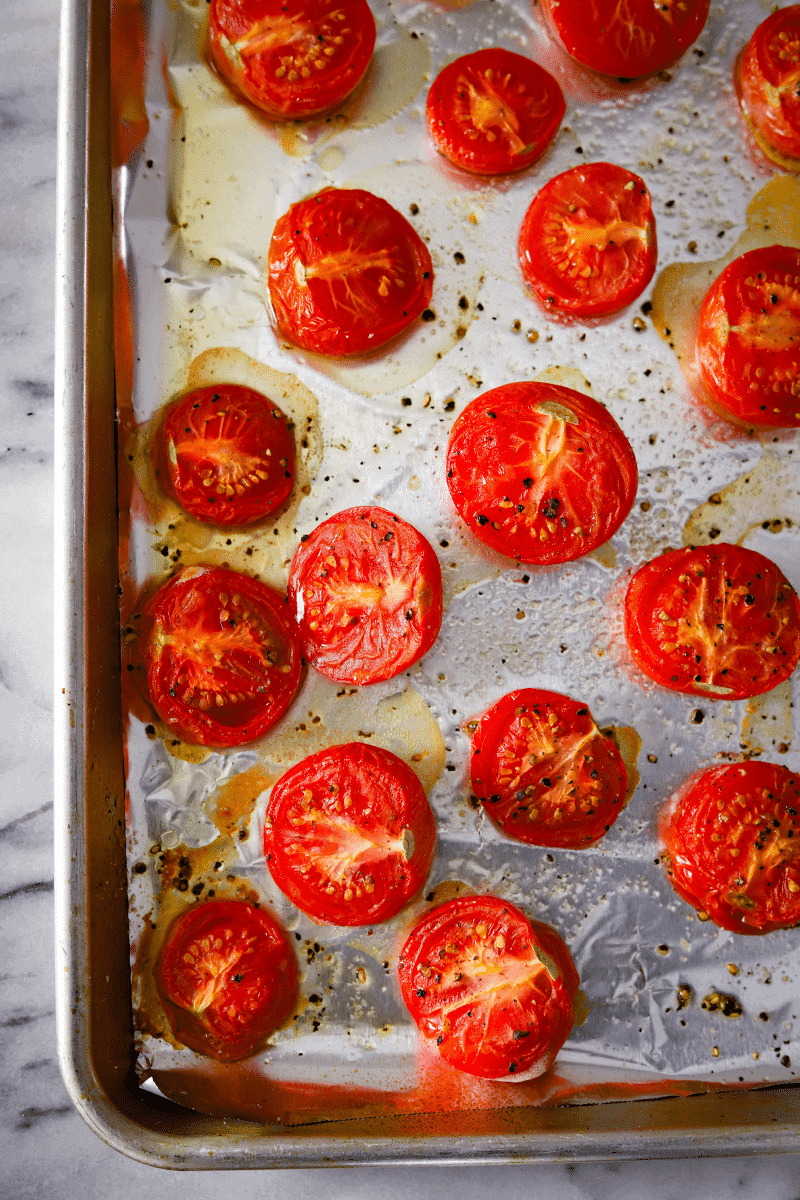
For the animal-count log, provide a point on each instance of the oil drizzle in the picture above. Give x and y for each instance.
(767, 494)
(265, 548)
(396, 75)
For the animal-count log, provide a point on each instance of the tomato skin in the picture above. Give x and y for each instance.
(540, 473)
(748, 337)
(227, 978)
(349, 834)
(574, 790)
(626, 40)
(346, 273)
(511, 1030)
(767, 81)
(731, 846)
(494, 111)
(676, 603)
(258, 45)
(365, 588)
(587, 245)
(226, 454)
(222, 656)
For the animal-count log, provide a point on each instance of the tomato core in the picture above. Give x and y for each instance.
(493, 991)
(748, 337)
(346, 273)
(226, 453)
(544, 772)
(221, 654)
(731, 846)
(493, 111)
(291, 60)
(227, 978)
(541, 473)
(587, 246)
(349, 835)
(366, 591)
(627, 39)
(717, 621)
(768, 79)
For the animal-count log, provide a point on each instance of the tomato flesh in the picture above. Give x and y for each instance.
(349, 835)
(222, 656)
(346, 273)
(494, 991)
(540, 473)
(366, 590)
(716, 621)
(768, 78)
(544, 772)
(587, 246)
(748, 337)
(626, 38)
(494, 111)
(291, 60)
(226, 454)
(227, 978)
(731, 846)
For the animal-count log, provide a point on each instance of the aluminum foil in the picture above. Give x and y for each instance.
(671, 1003)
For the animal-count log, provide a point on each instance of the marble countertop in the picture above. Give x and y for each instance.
(47, 1148)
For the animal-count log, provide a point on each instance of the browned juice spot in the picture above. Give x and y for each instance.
(231, 807)
(629, 744)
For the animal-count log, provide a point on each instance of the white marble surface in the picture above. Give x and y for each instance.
(47, 1150)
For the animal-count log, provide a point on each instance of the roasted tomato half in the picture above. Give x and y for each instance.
(289, 59)
(349, 834)
(226, 453)
(731, 846)
(717, 621)
(227, 978)
(494, 111)
(544, 772)
(767, 82)
(222, 656)
(541, 473)
(626, 38)
(493, 990)
(346, 273)
(587, 246)
(748, 337)
(366, 590)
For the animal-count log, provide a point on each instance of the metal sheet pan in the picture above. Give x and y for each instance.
(94, 1005)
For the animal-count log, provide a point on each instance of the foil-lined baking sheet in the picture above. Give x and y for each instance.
(671, 1004)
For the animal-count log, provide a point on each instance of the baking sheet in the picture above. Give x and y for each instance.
(195, 217)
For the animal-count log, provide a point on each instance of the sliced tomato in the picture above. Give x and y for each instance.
(768, 81)
(748, 337)
(226, 453)
(366, 591)
(347, 273)
(227, 978)
(717, 621)
(626, 38)
(494, 111)
(493, 990)
(222, 656)
(544, 772)
(349, 834)
(289, 59)
(587, 246)
(541, 473)
(731, 846)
